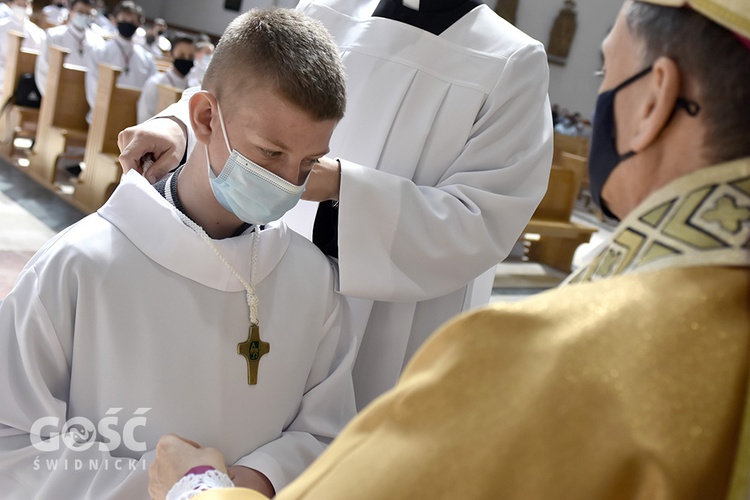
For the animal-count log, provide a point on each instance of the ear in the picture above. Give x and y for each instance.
(663, 92)
(201, 106)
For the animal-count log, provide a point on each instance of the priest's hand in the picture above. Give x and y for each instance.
(155, 146)
(174, 458)
(250, 478)
(324, 181)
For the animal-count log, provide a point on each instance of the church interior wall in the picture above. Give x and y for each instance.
(152, 8)
(572, 86)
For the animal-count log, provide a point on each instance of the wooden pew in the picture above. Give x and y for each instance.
(556, 237)
(114, 110)
(23, 119)
(581, 165)
(62, 117)
(574, 144)
(163, 63)
(166, 95)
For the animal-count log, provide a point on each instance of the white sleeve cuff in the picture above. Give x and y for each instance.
(192, 484)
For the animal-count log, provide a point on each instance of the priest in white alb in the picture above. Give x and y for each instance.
(442, 157)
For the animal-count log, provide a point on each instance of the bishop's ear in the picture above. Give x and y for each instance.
(202, 106)
(659, 103)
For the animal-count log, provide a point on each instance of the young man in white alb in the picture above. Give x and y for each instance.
(136, 64)
(183, 56)
(249, 342)
(76, 36)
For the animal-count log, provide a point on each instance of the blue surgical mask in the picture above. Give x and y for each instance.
(249, 191)
(603, 154)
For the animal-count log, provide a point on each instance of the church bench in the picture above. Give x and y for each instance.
(62, 117)
(574, 144)
(23, 120)
(581, 164)
(114, 110)
(166, 95)
(163, 64)
(557, 242)
(567, 147)
(550, 237)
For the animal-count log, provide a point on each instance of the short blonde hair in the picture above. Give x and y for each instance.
(285, 49)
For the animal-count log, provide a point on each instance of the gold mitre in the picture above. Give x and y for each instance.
(734, 15)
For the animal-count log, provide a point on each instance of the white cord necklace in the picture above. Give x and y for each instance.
(253, 348)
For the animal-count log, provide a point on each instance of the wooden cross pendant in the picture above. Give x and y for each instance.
(252, 350)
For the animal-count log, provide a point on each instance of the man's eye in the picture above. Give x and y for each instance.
(269, 153)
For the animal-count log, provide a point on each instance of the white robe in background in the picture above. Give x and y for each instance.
(80, 44)
(140, 63)
(5, 10)
(445, 150)
(130, 309)
(34, 38)
(149, 98)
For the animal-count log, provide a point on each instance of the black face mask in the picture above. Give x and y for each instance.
(127, 30)
(150, 39)
(183, 66)
(603, 154)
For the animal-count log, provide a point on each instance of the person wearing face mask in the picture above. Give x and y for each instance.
(160, 30)
(102, 23)
(250, 344)
(203, 53)
(152, 38)
(630, 382)
(19, 21)
(136, 63)
(57, 12)
(76, 36)
(183, 54)
(439, 163)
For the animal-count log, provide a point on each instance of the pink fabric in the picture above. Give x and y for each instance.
(199, 470)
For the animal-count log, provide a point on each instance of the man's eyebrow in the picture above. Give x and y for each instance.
(318, 155)
(280, 145)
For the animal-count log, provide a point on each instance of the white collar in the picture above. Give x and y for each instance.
(145, 217)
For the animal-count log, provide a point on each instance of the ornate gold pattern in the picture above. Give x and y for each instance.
(700, 219)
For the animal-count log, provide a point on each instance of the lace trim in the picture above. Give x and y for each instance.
(192, 484)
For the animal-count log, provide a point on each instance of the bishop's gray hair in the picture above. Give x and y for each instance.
(286, 49)
(714, 58)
